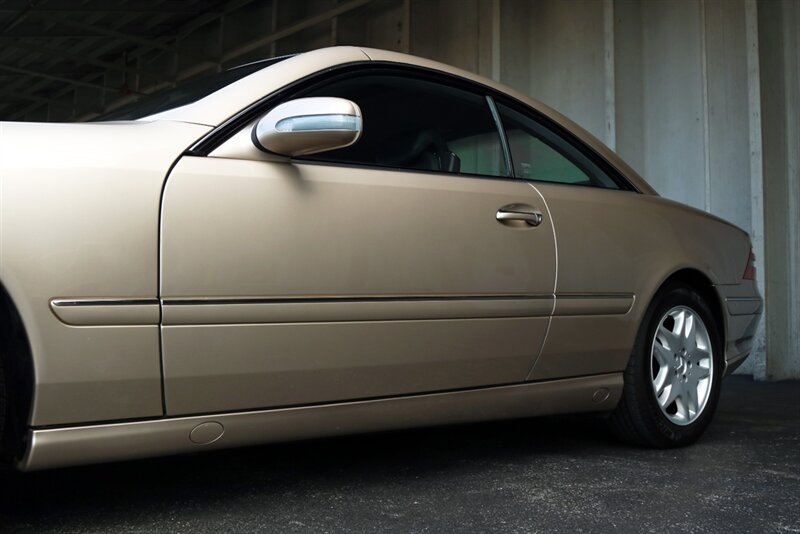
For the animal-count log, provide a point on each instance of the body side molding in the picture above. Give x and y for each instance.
(106, 311)
(120, 311)
(342, 309)
(593, 304)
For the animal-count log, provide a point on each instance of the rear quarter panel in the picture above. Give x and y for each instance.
(616, 242)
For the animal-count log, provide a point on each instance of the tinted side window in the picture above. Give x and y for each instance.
(539, 154)
(418, 124)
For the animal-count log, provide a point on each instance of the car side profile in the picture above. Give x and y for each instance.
(347, 240)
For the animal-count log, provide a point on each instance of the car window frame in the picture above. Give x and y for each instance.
(565, 137)
(428, 76)
(244, 118)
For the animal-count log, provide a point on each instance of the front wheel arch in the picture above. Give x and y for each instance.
(17, 362)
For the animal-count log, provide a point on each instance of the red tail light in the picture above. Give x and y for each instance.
(750, 270)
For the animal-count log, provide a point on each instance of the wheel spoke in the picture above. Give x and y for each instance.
(679, 327)
(668, 338)
(689, 332)
(697, 355)
(683, 410)
(660, 381)
(669, 395)
(690, 397)
(701, 372)
(663, 354)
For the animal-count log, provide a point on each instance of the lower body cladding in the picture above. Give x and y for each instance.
(61, 447)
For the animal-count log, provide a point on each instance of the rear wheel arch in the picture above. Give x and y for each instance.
(700, 283)
(638, 418)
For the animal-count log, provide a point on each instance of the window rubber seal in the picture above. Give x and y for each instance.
(498, 122)
(216, 137)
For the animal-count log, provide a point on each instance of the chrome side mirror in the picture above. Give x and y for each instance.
(309, 126)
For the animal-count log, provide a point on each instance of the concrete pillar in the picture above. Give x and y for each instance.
(778, 30)
(629, 83)
(756, 364)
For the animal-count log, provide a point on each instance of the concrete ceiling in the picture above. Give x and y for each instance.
(67, 60)
(48, 48)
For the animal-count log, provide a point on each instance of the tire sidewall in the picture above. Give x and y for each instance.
(668, 432)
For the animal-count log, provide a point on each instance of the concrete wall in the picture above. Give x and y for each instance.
(700, 96)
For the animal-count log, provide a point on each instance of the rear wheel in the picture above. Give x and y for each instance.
(672, 379)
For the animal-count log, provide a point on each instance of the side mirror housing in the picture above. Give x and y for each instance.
(309, 126)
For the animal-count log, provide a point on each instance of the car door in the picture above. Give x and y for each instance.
(400, 265)
(602, 259)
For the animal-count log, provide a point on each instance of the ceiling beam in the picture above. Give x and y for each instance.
(33, 98)
(97, 46)
(207, 18)
(82, 58)
(101, 30)
(166, 10)
(294, 28)
(19, 17)
(69, 81)
(162, 41)
(137, 39)
(52, 35)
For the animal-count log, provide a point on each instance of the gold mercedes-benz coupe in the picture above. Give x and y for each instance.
(347, 240)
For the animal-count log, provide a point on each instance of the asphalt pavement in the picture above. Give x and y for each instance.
(548, 474)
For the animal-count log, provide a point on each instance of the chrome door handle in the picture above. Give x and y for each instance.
(519, 213)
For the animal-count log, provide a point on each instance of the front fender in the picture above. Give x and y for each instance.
(79, 218)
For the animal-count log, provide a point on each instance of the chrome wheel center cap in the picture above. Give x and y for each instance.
(680, 360)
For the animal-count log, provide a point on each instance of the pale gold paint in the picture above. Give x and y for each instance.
(620, 242)
(228, 224)
(79, 219)
(353, 233)
(79, 212)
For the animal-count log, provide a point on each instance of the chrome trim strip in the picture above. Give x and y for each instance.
(103, 302)
(50, 448)
(106, 312)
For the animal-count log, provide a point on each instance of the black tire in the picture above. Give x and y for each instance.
(638, 418)
(3, 405)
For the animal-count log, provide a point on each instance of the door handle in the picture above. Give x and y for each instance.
(514, 214)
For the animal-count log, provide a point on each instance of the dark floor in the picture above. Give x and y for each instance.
(536, 475)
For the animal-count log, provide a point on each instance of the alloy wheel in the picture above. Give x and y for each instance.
(682, 365)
